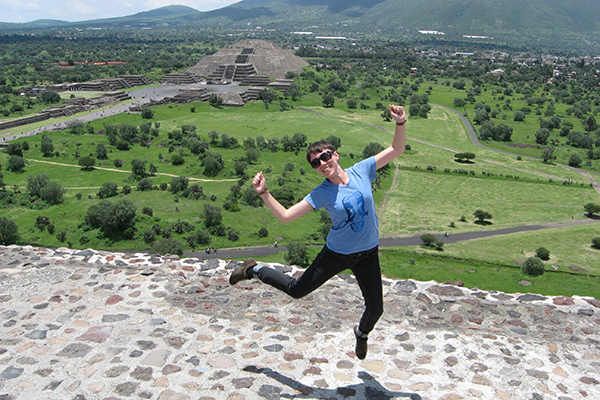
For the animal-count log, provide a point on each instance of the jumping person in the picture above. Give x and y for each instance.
(352, 242)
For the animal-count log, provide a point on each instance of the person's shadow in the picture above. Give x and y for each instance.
(369, 389)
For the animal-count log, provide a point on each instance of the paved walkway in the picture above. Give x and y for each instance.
(96, 325)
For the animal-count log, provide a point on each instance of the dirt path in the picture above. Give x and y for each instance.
(128, 172)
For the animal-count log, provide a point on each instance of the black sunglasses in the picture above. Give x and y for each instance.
(315, 162)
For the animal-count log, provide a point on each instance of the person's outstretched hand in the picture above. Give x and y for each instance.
(259, 183)
(397, 112)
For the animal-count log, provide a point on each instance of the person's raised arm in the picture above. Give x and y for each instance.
(385, 156)
(283, 214)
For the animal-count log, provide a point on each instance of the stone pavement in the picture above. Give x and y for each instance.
(77, 325)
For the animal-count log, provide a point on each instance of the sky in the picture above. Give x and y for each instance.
(82, 10)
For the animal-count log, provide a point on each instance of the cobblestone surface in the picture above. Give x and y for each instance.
(80, 325)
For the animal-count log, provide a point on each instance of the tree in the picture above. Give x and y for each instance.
(108, 189)
(252, 155)
(214, 100)
(548, 155)
(9, 231)
(371, 149)
(179, 184)
(138, 168)
(15, 164)
(542, 253)
(112, 218)
(297, 254)
(144, 184)
(519, 116)
(101, 151)
(459, 102)
(428, 239)
(541, 136)
(596, 243)
(50, 97)
(481, 216)
(147, 113)
(263, 232)
(46, 146)
(42, 222)
(328, 100)
(268, 96)
(167, 246)
(177, 159)
(574, 160)
(35, 184)
(233, 235)
(87, 163)
(591, 209)
(212, 215)
(335, 141)
(213, 164)
(52, 193)
(532, 266)
(15, 149)
(464, 157)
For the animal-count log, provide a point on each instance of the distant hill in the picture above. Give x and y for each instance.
(574, 24)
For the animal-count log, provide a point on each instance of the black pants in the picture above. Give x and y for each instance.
(364, 266)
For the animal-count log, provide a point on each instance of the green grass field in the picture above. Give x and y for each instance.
(411, 200)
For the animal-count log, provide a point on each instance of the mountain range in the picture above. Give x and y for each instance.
(518, 23)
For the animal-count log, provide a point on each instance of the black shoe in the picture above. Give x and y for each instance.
(361, 346)
(241, 272)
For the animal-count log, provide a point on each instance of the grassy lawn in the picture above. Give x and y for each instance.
(411, 200)
(407, 263)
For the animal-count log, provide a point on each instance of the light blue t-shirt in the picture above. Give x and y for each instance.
(351, 208)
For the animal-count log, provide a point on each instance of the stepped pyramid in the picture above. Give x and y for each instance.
(250, 60)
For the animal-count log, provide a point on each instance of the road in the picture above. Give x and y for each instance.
(413, 240)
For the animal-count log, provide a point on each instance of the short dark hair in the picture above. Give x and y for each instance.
(318, 147)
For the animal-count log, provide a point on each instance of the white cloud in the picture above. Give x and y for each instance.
(81, 8)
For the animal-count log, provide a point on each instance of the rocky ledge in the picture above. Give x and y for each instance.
(90, 324)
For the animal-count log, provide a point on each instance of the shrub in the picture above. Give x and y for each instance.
(297, 254)
(574, 160)
(233, 235)
(532, 266)
(167, 246)
(149, 236)
(111, 218)
(147, 113)
(201, 236)
(428, 239)
(9, 231)
(596, 243)
(147, 211)
(42, 222)
(61, 236)
(144, 184)
(591, 209)
(108, 189)
(543, 253)
(177, 159)
(263, 232)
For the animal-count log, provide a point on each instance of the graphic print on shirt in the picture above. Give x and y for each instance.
(355, 208)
